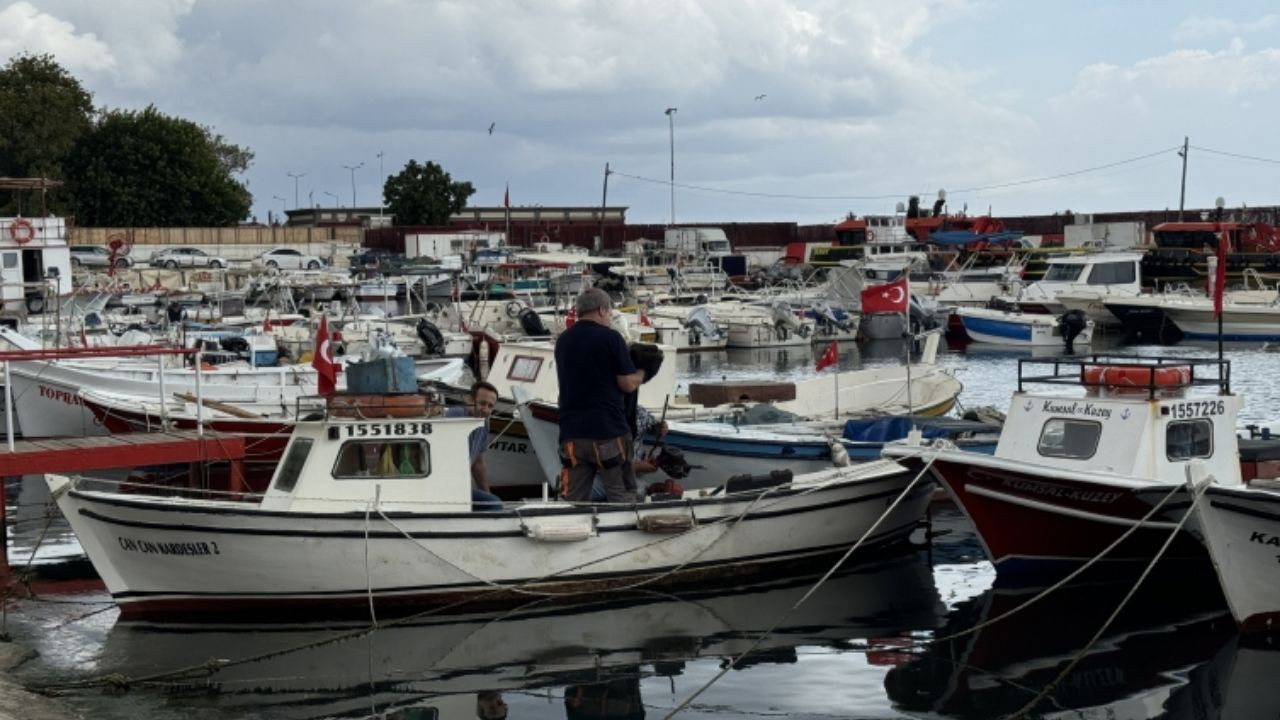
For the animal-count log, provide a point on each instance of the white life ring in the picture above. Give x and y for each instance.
(871, 234)
(22, 231)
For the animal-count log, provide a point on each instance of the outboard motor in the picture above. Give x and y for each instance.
(431, 337)
(699, 325)
(531, 323)
(785, 321)
(1071, 324)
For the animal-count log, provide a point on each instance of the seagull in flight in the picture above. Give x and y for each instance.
(492, 125)
(761, 96)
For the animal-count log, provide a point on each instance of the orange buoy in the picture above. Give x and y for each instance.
(1136, 378)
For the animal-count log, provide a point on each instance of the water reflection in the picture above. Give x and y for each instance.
(1137, 669)
(593, 658)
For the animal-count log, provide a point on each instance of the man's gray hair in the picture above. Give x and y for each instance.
(592, 300)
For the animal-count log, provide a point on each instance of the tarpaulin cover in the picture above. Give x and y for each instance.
(964, 237)
(885, 429)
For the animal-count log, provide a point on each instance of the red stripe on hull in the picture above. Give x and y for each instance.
(1018, 532)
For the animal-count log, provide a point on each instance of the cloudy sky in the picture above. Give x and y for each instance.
(787, 110)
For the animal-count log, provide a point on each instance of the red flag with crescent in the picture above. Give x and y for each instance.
(889, 298)
(830, 357)
(322, 361)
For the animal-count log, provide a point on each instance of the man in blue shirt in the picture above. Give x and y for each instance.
(481, 401)
(595, 370)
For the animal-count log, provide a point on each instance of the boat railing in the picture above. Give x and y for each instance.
(1143, 373)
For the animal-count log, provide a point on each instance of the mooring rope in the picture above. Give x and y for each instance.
(1022, 712)
(831, 571)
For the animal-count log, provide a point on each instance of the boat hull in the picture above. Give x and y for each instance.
(1241, 527)
(1041, 523)
(1016, 329)
(159, 556)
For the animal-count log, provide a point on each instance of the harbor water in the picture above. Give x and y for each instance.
(922, 632)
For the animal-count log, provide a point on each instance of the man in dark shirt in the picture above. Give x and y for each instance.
(594, 368)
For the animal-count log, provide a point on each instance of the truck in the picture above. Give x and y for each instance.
(703, 242)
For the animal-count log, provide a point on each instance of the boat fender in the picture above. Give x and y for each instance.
(839, 455)
(665, 524)
(571, 530)
(748, 482)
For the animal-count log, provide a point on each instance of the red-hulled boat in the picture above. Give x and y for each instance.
(1082, 463)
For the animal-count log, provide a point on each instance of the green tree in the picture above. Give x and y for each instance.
(44, 112)
(149, 169)
(425, 195)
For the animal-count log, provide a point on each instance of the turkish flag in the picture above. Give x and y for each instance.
(322, 361)
(890, 298)
(830, 357)
(1220, 279)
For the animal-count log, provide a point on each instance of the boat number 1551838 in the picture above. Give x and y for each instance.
(1197, 409)
(389, 430)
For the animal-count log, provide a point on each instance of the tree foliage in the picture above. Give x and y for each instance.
(425, 194)
(44, 112)
(149, 169)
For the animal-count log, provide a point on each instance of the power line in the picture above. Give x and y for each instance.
(1235, 155)
(789, 196)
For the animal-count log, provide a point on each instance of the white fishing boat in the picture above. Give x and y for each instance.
(1241, 527)
(756, 326)
(1086, 279)
(1012, 327)
(377, 511)
(686, 329)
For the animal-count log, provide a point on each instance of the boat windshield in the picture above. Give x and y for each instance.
(1113, 273)
(1063, 273)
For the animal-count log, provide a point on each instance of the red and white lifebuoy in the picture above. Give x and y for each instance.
(22, 231)
(871, 234)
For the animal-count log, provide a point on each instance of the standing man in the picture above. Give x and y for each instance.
(481, 401)
(595, 371)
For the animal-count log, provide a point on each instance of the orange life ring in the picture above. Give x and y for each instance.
(1136, 378)
(22, 231)
(871, 234)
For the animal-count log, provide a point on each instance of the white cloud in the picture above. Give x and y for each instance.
(1197, 27)
(25, 29)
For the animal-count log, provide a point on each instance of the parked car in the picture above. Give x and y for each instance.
(96, 256)
(287, 259)
(185, 257)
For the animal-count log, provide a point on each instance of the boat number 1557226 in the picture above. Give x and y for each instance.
(1197, 409)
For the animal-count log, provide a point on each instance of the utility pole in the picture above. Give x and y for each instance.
(1182, 196)
(671, 132)
(604, 201)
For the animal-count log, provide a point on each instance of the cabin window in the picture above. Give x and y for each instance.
(1113, 273)
(1074, 439)
(383, 459)
(291, 466)
(1186, 439)
(10, 261)
(1063, 273)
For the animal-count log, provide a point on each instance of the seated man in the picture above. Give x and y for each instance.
(481, 400)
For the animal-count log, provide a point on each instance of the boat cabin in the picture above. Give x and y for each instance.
(35, 263)
(532, 366)
(1127, 416)
(1106, 273)
(356, 450)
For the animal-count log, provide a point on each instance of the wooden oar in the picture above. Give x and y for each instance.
(221, 407)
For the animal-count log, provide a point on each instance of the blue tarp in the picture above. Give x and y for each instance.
(885, 429)
(964, 237)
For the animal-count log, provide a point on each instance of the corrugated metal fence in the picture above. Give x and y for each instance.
(265, 236)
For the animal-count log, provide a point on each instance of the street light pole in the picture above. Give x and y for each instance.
(282, 208)
(353, 169)
(295, 177)
(382, 178)
(332, 195)
(671, 134)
